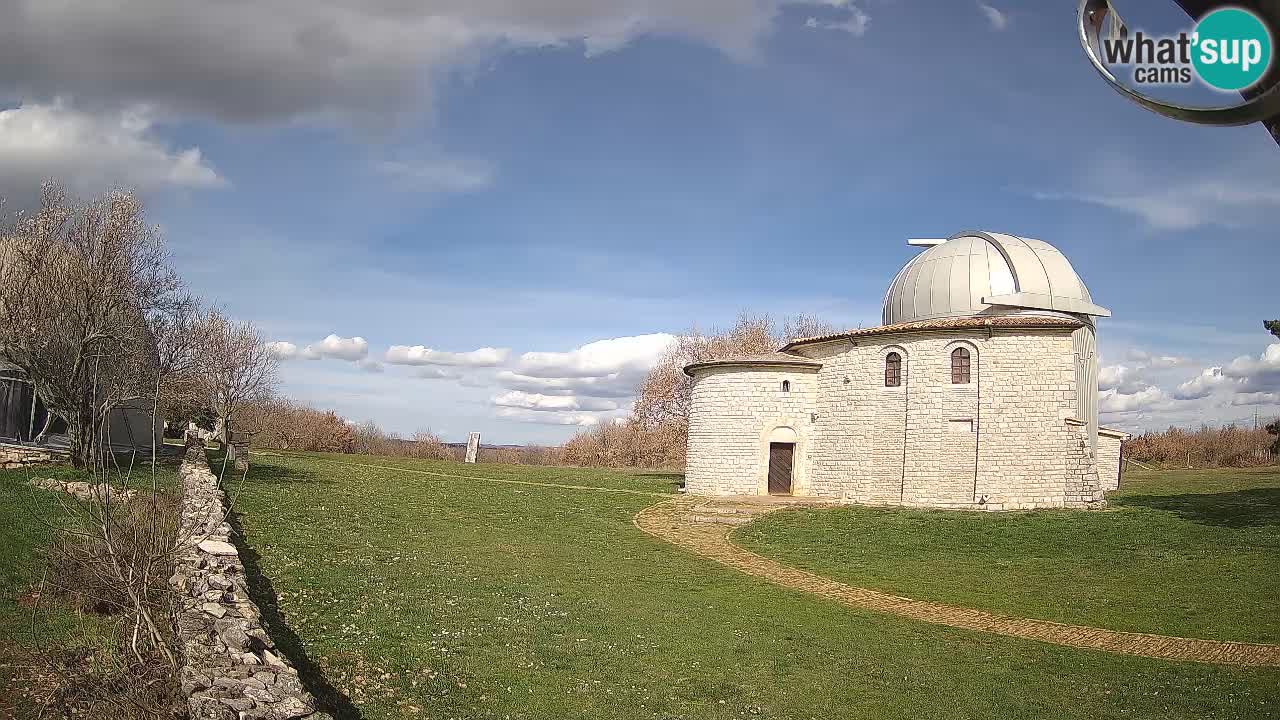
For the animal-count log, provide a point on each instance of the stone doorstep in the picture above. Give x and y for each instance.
(721, 519)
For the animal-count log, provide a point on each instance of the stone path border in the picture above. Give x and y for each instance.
(702, 526)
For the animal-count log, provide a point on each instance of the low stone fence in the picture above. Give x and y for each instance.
(230, 668)
(19, 456)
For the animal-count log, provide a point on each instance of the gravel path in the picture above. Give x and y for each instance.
(703, 525)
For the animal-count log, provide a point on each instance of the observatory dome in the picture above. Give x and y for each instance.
(983, 273)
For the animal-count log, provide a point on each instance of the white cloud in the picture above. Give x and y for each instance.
(852, 19)
(283, 350)
(583, 386)
(1256, 375)
(998, 20)
(1202, 385)
(1256, 399)
(624, 355)
(612, 385)
(421, 355)
(1124, 379)
(338, 348)
(1114, 402)
(535, 401)
(1158, 362)
(89, 152)
(580, 419)
(1253, 377)
(437, 373)
(1229, 196)
(439, 175)
(369, 365)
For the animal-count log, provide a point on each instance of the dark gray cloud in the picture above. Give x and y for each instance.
(274, 60)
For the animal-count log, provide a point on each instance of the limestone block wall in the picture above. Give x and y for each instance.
(999, 442)
(1110, 444)
(732, 414)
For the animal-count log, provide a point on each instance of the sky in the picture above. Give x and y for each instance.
(493, 215)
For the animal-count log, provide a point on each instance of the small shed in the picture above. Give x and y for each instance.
(23, 415)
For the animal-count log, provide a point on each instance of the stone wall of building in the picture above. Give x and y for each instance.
(733, 413)
(998, 442)
(1110, 444)
(230, 670)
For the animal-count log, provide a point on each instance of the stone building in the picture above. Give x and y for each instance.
(979, 391)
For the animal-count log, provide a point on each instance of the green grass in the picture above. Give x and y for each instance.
(1192, 553)
(403, 594)
(27, 518)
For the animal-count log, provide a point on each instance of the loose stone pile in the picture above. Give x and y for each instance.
(230, 668)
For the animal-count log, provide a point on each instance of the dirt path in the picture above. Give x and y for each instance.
(702, 525)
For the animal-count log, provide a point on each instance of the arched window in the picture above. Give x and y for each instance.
(960, 363)
(892, 370)
(786, 386)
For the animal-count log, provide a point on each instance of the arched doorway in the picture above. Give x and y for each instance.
(782, 450)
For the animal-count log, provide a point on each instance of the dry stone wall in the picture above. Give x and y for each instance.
(231, 670)
(14, 456)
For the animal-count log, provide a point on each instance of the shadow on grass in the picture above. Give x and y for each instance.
(674, 480)
(264, 474)
(261, 591)
(1255, 507)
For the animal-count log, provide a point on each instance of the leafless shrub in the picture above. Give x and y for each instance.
(282, 424)
(1206, 447)
(428, 445)
(112, 554)
(236, 366)
(657, 434)
(103, 572)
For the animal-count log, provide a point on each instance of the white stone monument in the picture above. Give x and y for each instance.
(473, 446)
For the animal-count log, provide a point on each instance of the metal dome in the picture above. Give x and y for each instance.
(982, 273)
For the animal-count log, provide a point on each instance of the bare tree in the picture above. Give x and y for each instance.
(86, 285)
(236, 367)
(658, 432)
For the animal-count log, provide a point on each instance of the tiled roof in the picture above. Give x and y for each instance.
(773, 358)
(961, 323)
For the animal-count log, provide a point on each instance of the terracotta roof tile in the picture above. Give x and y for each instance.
(773, 358)
(958, 323)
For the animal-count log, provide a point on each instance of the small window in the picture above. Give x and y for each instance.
(892, 370)
(786, 386)
(960, 363)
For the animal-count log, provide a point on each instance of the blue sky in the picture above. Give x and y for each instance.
(535, 177)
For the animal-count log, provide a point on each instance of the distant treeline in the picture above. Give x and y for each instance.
(1207, 447)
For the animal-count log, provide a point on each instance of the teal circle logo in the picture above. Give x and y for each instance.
(1231, 49)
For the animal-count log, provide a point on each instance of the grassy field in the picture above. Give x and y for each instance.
(1183, 552)
(404, 590)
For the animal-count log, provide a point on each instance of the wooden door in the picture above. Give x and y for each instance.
(780, 456)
